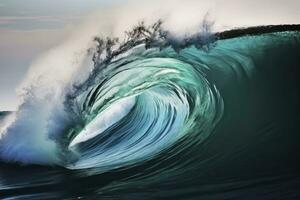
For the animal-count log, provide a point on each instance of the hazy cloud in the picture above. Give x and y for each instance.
(36, 22)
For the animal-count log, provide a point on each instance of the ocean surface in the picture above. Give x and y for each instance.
(209, 116)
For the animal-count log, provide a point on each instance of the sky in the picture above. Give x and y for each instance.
(29, 28)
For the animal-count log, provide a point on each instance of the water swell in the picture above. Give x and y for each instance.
(152, 96)
(176, 77)
(159, 119)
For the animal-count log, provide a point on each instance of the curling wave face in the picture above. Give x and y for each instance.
(147, 101)
(153, 96)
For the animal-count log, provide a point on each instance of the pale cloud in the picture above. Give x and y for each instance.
(39, 17)
(36, 22)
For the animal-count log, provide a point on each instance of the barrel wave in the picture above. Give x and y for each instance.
(166, 113)
(147, 102)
